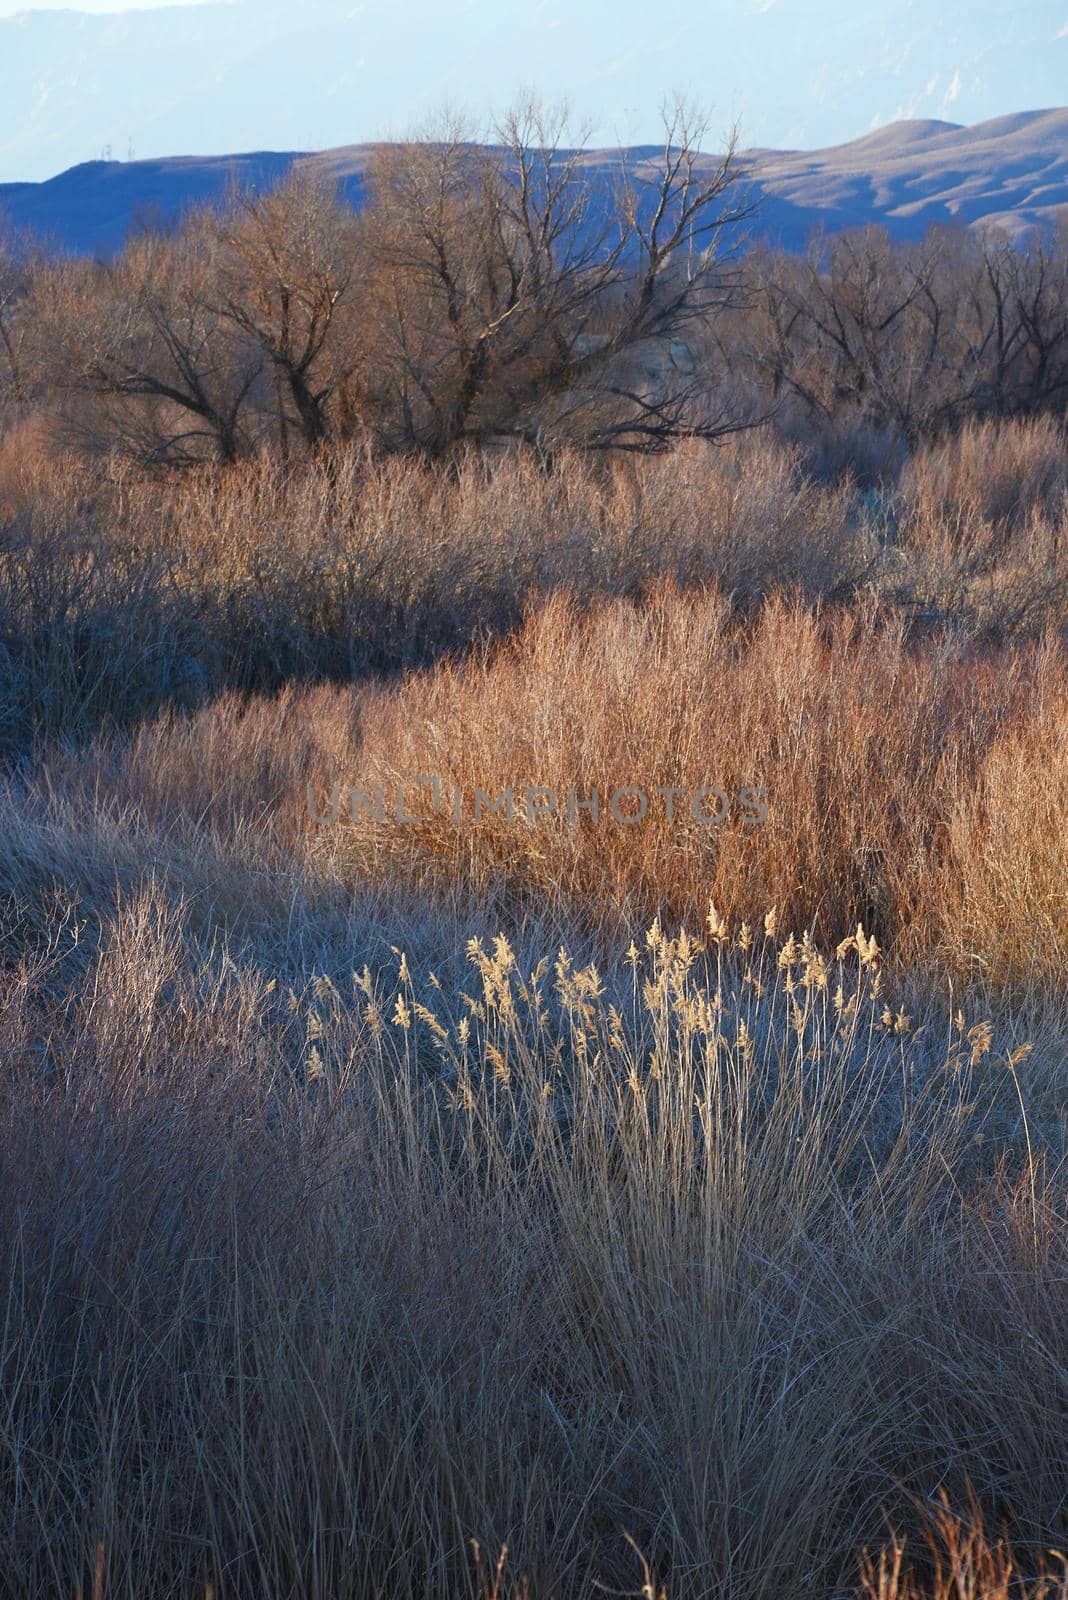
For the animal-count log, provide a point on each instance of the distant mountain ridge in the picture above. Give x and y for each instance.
(1011, 172)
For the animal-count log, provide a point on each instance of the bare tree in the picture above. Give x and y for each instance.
(19, 259)
(286, 270)
(529, 291)
(1038, 287)
(913, 336)
(857, 322)
(145, 360)
(518, 293)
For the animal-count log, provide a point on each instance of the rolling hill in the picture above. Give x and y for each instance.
(1011, 171)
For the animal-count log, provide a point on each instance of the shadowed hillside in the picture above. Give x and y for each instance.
(1012, 171)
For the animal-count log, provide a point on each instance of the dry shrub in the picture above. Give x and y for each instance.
(258, 576)
(997, 472)
(996, 583)
(448, 553)
(916, 787)
(867, 750)
(982, 523)
(31, 472)
(1004, 884)
(120, 593)
(743, 516)
(91, 634)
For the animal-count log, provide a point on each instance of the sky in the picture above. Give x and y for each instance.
(214, 78)
(97, 8)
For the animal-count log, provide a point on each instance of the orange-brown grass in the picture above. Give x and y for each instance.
(867, 749)
(959, 1560)
(920, 789)
(120, 594)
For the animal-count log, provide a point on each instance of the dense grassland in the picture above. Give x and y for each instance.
(676, 1205)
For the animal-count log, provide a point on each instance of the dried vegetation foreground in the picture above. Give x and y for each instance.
(581, 1186)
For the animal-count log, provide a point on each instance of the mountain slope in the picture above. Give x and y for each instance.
(1012, 171)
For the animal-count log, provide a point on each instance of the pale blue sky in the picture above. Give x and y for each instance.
(213, 78)
(97, 8)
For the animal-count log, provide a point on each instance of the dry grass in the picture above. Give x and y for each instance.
(731, 1249)
(983, 527)
(919, 788)
(120, 594)
(959, 1560)
(997, 473)
(891, 773)
(305, 1290)
(256, 577)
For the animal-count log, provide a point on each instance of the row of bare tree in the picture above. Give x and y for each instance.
(913, 337)
(481, 296)
(493, 294)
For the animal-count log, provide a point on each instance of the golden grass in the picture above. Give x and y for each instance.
(121, 594)
(869, 752)
(959, 1560)
(919, 788)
